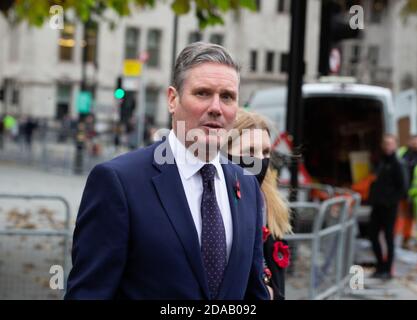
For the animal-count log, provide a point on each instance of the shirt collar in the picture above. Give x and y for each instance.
(188, 165)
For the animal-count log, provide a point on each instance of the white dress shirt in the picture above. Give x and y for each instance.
(189, 167)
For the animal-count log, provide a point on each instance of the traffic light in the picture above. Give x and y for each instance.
(119, 92)
(334, 28)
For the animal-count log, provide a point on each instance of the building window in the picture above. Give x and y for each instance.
(152, 95)
(154, 47)
(356, 54)
(131, 43)
(377, 10)
(258, 5)
(284, 62)
(253, 61)
(90, 42)
(67, 42)
(194, 36)
(14, 45)
(63, 100)
(269, 61)
(216, 38)
(282, 6)
(373, 55)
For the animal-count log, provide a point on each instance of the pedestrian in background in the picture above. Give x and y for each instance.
(1, 132)
(117, 132)
(408, 210)
(255, 154)
(386, 191)
(29, 127)
(66, 130)
(11, 126)
(132, 133)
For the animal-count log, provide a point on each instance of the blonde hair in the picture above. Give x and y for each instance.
(277, 212)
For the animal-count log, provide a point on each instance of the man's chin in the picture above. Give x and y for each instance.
(206, 145)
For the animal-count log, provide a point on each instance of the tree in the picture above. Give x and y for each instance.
(410, 7)
(35, 12)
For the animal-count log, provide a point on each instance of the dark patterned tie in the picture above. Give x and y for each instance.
(213, 237)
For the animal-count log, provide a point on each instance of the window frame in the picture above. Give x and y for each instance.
(154, 60)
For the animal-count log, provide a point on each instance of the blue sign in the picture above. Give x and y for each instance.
(84, 101)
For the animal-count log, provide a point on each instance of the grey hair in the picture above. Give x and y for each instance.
(197, 53)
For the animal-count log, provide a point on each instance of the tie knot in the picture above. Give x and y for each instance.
(207, 172)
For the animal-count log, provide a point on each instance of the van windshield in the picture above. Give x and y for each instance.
(334, 129)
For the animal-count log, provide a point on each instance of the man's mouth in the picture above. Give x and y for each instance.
(212, 125)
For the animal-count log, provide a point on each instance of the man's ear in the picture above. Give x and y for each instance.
(172, 99)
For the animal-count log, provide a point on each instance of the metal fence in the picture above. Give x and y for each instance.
(323, 244)
(34, 236)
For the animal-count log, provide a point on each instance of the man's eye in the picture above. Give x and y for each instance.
(202, 93)
(226, 97)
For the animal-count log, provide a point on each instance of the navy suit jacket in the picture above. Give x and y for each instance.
(135, 237)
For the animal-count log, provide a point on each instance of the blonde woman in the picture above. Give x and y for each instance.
(250, 147)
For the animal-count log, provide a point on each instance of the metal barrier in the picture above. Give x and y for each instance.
(350, 232)
(328, 246)
(329, 250)
(30, 244)
(304, 191)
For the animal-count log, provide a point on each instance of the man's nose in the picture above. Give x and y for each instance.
(215, 106)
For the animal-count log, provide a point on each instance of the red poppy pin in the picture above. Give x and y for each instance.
(267, 275)
(281, 254)
(237, 189)
(268, 272)
(265, 233)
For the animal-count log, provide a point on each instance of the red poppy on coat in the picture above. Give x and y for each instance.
(237, 189)
(265, 233)
(281, 254)
(268, 273)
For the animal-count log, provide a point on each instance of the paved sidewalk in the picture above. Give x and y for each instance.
(28, 180)
(403, 286)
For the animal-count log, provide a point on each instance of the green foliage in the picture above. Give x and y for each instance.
(181, 6)
(208, 12)
(410, 7)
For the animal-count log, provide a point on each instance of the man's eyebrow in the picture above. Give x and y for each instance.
(197, 88)
(231, 92)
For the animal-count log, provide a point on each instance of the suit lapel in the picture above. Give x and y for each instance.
(232, 265)
(172, 196)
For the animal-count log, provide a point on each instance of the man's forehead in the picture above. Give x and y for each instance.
(213, 73)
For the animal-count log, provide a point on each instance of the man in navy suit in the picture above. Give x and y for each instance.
(175, 220)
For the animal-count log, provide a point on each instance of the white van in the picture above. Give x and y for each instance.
(340, 119)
